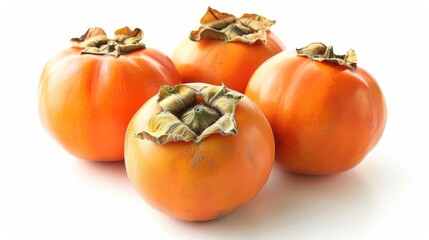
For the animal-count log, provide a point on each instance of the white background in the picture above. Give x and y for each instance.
(46, 193)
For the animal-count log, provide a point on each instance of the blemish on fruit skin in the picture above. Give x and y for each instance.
(249, 156)
(198, 158)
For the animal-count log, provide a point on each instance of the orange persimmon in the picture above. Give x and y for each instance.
(325, 111)
(226, 49)
(89, 92)
(197, 152)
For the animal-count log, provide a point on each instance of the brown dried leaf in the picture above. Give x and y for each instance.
(256, 22)
(126, 36)
(93, 37)
(215, 19)
(177, 98)
(166, 127)
(249, 28)
(95, 41)
(221, 98)
(320, 52)
(186, 117)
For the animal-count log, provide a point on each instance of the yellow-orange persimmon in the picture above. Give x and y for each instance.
(197, 152)
(226, 49)
(325, 111)
(89, 92)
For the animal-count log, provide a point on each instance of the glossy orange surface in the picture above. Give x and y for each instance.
(204, 181)
(86, 101)
(216, 62)
(325, 117)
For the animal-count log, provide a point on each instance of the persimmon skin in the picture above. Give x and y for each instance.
(204, 181)
(325, 117)
(86, 101)
(216, 62)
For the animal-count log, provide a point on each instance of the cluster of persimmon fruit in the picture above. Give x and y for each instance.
(200, 130)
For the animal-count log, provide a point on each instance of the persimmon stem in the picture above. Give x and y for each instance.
(199, 118)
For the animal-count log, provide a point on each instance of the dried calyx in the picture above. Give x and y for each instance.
(249, 28)
(95, 41)
(189, 114)
(321, 52)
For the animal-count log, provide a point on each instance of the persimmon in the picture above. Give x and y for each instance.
(89, 92)
(325, 111)
(226, 49)
(197, 152)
